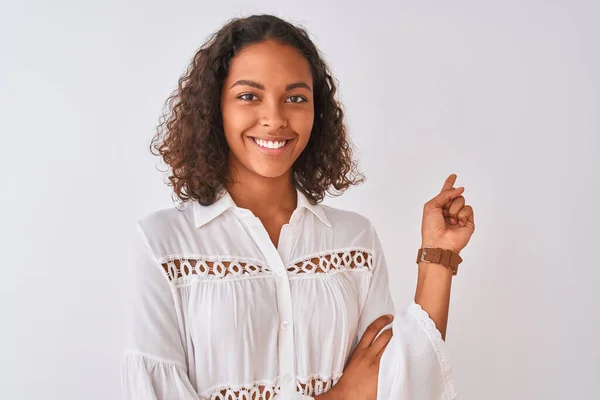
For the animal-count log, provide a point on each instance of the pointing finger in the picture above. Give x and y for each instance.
(449, 182)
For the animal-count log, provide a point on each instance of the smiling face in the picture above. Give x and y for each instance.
(267, 108)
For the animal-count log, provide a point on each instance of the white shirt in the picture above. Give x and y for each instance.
(218, 312)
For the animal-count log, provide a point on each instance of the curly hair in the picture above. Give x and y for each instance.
(190, 136)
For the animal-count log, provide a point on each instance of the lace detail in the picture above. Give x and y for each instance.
(268, 389)
(316, 384)
(251, 392)
(202, 267)
(329, 262)
(210, 269)
(435, 337)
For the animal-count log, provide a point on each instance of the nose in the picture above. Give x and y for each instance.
(273, 116)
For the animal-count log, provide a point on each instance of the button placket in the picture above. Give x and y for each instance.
(287, 368)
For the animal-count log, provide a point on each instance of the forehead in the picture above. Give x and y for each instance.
(270, 63)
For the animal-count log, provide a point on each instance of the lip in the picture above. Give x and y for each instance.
(272, 152)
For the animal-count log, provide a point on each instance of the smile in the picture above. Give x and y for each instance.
(271, 144)
(272, 148)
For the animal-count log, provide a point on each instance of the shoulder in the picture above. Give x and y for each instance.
(161, 219)
(166, 224)
(351, 224)
(341, 218)
(353, 230)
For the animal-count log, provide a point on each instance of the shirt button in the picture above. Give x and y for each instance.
(285, 325)
(280, 272)
(288, 377)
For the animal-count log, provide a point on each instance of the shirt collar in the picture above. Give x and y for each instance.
(205, 214)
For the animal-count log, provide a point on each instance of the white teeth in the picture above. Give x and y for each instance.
(270, 144)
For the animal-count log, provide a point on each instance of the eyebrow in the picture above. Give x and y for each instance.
(246, 82)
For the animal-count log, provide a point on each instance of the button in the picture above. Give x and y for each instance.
(281, 272)
(288, 377)
(285, 325)
(256, 228)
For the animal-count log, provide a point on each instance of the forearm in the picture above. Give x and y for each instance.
(433, 293)
(326, 396)
(335, 393)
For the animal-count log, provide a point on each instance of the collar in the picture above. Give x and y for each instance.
(205, 214)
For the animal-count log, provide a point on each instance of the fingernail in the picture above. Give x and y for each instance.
(452, 221)
(390, 316)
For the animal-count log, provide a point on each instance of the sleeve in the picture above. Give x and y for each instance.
(154, 363)
(415, 364)
(379, 298)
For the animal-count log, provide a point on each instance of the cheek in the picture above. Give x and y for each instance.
(302, 123)
(237, 120)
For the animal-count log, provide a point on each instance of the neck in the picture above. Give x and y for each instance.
(265, 197)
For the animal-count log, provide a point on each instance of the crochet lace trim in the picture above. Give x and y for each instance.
(211, 269)
(177, 268)
(268, 389)
(435, 337)
(337, 261)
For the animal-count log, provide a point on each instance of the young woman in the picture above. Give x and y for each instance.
(252, 289)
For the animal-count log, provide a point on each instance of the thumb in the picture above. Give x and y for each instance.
(446, 196)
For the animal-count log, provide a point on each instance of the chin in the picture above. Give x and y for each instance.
(272, 169)
(270, 172)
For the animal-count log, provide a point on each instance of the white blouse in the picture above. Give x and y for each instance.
(218, 312)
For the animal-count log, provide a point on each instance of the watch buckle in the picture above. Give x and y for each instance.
(423, 253)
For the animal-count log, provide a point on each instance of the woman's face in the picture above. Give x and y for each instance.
(267, 107)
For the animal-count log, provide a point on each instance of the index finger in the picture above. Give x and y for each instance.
(449, 184)
(373, 330)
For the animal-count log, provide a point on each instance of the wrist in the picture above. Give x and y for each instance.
(434, 270)
(433, 256)
(439, 245)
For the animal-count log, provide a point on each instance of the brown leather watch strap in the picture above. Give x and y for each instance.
(437, 255)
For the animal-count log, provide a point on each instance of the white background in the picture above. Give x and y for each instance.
(505, 94)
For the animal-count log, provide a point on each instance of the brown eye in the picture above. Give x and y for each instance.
(297, 99)
(247, 97)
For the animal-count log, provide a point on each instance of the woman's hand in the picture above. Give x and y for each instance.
(359, 381)
(447, 222)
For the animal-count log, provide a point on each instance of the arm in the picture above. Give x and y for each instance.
(415, 363)
(433, 293)
(448, 224)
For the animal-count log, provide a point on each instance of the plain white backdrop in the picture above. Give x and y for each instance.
(505, 94)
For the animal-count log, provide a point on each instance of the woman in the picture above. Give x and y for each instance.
(254, 290)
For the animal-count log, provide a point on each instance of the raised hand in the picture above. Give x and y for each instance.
(448, 222)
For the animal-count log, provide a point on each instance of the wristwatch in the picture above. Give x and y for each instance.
(436, 255)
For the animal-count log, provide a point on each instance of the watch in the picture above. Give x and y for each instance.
(436, 255)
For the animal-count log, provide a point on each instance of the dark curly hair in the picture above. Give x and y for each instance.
(190, 137)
